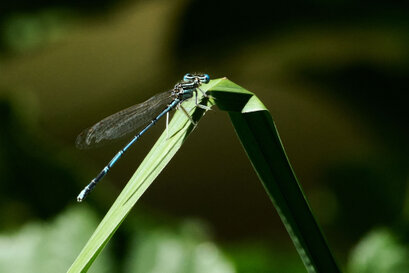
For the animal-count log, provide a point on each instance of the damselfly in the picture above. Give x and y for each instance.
(128, 120)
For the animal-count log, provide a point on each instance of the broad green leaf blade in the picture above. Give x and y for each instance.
(259, 137)
(156, 160)
(258, 134)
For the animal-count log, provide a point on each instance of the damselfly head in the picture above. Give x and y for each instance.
(200, 78)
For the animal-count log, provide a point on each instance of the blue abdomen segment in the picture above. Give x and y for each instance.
(115, 158)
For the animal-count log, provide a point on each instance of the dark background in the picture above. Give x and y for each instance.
(334, 75)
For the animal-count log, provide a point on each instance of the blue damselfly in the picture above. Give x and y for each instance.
(130, 119)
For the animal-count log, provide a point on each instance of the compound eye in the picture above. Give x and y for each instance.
(206, 78)
(188, 77)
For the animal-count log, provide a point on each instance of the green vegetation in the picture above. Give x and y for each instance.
(333, 75)
(260, 139)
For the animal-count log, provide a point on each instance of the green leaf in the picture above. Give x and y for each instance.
(156, 160)
(260, 139)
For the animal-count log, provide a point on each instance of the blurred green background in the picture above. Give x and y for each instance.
(334, 75)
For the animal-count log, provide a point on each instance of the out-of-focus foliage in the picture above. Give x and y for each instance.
(28, 25)
(40, 247)
(34, 174)
(379, 251)
(378, 203)
(184, 250)
(28, 31)
(253, 256)
(51, 247)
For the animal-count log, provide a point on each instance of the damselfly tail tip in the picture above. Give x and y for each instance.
(81, 196)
